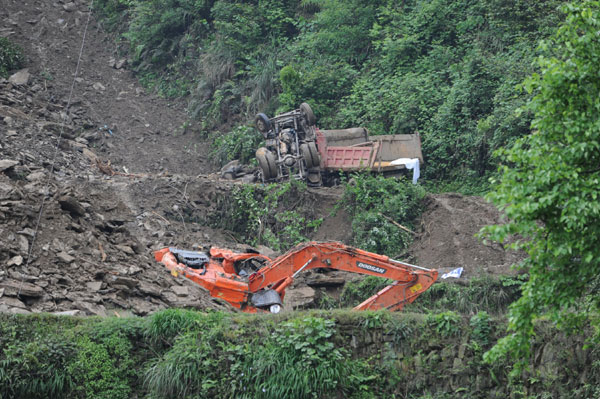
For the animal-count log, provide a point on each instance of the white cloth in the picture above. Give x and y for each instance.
(409, 163)
(454, 273)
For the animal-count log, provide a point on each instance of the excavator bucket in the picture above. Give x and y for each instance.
(395, 296)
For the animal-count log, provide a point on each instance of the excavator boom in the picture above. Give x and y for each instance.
(225, 275)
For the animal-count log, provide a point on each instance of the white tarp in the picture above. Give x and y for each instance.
(409, 163)
(454, 273)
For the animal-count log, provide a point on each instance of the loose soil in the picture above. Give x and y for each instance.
(127, 179)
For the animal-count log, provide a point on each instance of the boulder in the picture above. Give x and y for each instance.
(65, 257)
(20, 78)
(7, 164)
(71, 205)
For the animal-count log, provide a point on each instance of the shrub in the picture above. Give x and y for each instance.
(298, 361)
(241, 143)
(446, 324)
(375, 200)
(480, 323)
(11, 57)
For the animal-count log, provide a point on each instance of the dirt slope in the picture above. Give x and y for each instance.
(146, 133)
(447, 237)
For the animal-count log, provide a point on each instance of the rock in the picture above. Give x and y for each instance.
(20, 78)
(126, 281)
(121, 63)
(70, 7)
(13, 305)
(27, 232)
(23, 244)
(97, 310)
(149, 289)
(179, 290)
(65, 257)
(94, 285)
(15, 261)
(248, 179)
(7, 164)
(98, 86)
(35, 176)
(126, 249)
(299, 297)
(21, 288)
(5, 190)
(133, 269)
(71, 205)
(143, 308)
(264, 250)
(112, 62)
(68, 313)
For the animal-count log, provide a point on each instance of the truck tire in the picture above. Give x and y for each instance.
(266, 161)
(314, 153)
(306, 155)
(263, 123)
(306, 110)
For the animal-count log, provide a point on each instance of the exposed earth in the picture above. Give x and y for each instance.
(126, 179)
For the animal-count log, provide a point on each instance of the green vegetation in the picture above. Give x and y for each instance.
(275, 215)
(11, 57)
(241, 143)
(549, 187)
(374, 202)
(445, 68)
(360, 355)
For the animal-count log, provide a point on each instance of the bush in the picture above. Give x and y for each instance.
(241, 143)
(480, 323)
(260, 215)
(298, 361)
(374, 201)
(446, 324)
(11, 57)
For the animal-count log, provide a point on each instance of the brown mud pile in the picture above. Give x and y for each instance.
(447, 237)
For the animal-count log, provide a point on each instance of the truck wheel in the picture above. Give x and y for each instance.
(306, 155)
(266, 161)
(263, 123)
(306, 110)
(314, 153)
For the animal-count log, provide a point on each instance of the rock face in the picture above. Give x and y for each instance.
(92, 253)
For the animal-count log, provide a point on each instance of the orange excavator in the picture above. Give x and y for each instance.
(253, 282)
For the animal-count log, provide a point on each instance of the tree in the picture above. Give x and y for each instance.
(550, 187)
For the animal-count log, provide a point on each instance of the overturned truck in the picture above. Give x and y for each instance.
(296, 148)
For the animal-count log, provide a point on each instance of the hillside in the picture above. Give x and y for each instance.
(111, 148)
(127, 179)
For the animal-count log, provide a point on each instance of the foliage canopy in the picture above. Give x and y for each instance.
(550, 186)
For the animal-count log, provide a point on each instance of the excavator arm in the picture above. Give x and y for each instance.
(409, 281)
(221, 274)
